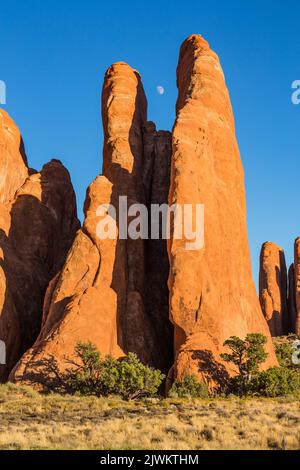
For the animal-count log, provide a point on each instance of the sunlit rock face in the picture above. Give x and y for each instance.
(38, 223)
(13, 168)
(212, 294)
(113, 292)
(279, 292)
(273, 288)
(173, 307)
(297, 284)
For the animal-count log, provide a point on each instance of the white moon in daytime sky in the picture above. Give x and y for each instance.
(160, 90)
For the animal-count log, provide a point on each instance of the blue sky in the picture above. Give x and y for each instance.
(54, 55)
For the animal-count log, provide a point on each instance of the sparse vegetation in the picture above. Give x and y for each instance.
(276, 382)
(284, 350)
(189, 387)
(29, 420)
(249, 354)
(284, 353)
(127, 377)
(246, 355)
(90, 374)
(99, 413)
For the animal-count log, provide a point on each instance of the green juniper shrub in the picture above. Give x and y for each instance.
(276, 382)
(127, 377)
(284, 354)
(84, 376)
(189, 387)
(239, 386)
(246, 355)
(135, 379)
(284, 350)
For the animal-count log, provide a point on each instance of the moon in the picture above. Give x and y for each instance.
(160, 90)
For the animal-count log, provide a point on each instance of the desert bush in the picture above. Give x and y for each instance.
(246, 355)
(284, 352)
(238, 386)
(189, 387)
(286, 347)
(135, 379)
(275, 382)
(127, 377)
(84, 376)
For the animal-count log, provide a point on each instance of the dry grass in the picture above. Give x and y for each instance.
(32, 421)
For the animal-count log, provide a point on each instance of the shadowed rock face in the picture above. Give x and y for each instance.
(156, 176)
(212, 294)
(37, 226)
(273, 288)
(114, 292)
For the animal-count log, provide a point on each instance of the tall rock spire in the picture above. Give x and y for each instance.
(103, 293)
(292, 312)
(212, 294)
(273, 288)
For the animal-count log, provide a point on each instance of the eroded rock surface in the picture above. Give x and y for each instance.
(13, 168)
(212, 294)
(103, 293)
(273, 288)
(113, 291)
(38, 223)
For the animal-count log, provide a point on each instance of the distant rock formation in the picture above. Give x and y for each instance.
(279, 296)
(297, 283)
(273, 288)
(38, 223)
(212, 294)
(292, 313)
(114, 292)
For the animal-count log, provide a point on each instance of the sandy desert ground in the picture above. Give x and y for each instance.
(29, 420)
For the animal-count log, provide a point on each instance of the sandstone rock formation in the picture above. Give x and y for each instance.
(13, 168)
(273, 288)
(103, 293)
(37, 226)
(212, 294)
(297, 283)
(278, 297)
(113, 291)
(292, 313)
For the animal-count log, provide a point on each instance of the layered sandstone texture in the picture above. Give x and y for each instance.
(38, 223)
(113, 292)
(273, 288)
(212, 294)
